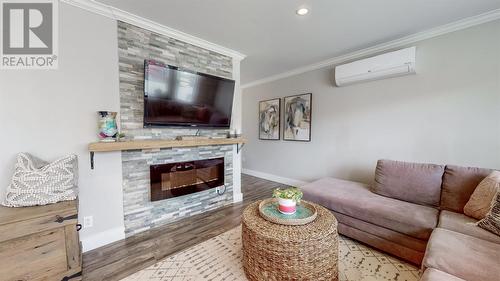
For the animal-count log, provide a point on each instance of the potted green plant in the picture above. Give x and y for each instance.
(287, 199)
(120, 137)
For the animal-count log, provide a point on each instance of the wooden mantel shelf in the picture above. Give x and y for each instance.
(158, 144)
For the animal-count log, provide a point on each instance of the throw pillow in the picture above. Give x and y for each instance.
(36, 182)
(482, 198)
(492, 220)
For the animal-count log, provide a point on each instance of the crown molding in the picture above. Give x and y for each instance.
(398, 43)
(117, 14)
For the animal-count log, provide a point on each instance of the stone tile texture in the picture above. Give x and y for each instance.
(134, 46)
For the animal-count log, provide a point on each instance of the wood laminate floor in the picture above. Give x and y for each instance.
(122, 258)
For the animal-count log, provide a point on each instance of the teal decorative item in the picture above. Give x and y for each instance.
(305, 213)
(107, 126)
(272, 210)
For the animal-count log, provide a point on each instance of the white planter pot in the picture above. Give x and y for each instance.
(287, 206)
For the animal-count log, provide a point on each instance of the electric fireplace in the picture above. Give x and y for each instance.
(177, 179)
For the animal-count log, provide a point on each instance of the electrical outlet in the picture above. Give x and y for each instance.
(88, 221)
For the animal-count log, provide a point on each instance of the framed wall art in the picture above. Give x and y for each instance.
(297, 117)
(269, 119)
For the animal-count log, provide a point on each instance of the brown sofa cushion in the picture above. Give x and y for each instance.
(382, 244)
(459, 184)
(411, 182)
(356, 200)
(466, 225)
(463, 256)
(481, 200)
(492, 220)
(432, 274)
(382, 232)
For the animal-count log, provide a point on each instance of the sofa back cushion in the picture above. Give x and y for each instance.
(458, 185)
(411, 182)
(482, 198)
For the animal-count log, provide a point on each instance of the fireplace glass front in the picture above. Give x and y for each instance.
(177, 179)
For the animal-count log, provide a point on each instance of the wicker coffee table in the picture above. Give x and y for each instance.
(281, 252)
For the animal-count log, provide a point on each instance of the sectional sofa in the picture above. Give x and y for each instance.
(415, 211)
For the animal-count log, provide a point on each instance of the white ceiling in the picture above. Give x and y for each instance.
(276, 40)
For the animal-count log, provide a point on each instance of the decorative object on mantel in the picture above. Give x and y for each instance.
(191, 137)
(234, 133)
(120, 137)
(298, 118)
(304, 214)
(269, 119)
(287, 199)
(37, 182)
(107, 126)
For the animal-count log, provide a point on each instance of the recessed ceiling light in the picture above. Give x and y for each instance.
(302, 11)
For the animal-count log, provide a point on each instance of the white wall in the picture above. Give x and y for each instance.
(448, 113)
(236, 125)
(50, 113)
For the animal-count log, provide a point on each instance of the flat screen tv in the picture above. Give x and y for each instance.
(177, 97)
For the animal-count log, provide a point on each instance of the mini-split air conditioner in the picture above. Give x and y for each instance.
(397, 63)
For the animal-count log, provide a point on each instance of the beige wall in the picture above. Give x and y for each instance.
(448, 113)
(51, 113)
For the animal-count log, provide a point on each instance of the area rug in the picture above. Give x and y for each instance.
(219, 259)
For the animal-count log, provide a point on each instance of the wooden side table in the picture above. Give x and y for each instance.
(40, 243)
(281, 252)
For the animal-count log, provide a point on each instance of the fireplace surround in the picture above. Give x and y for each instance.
(139, 212)
(182, 178)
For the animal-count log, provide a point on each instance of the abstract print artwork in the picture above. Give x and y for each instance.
(269, 119)
(298, 118)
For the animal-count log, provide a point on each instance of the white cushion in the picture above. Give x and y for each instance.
(36, 182)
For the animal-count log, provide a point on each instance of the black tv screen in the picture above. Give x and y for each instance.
(175, 97)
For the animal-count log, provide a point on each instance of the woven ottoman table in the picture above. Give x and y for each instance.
(283, 252)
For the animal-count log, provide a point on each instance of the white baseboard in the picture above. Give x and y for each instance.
(275, 178)
(103, 238)
(237, 197)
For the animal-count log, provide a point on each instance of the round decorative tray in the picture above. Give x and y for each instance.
(305, 213)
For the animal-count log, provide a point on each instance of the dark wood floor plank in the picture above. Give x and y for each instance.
(125, 257)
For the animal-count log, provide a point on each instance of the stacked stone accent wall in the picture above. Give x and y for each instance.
(134, 46)
(141, 214)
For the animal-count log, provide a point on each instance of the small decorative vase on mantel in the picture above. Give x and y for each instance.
(107, 126)
(287, 199)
